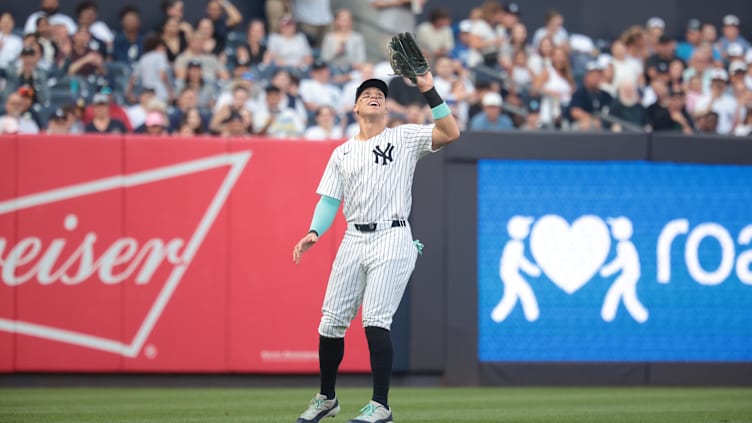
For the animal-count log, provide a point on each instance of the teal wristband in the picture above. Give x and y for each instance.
(440, 111)
(324, 214)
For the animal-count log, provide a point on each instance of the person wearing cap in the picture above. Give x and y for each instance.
(462, 51)
(491, 118)
(318, 90)
(273, 118)
(656, 28)
(719, 100)
(435, 35)
(155, 124)
(102, 122)
(371, 174)
(735, 51)
(10, 43)
(590, 100)
(289, 48)
(732, 34)
(58, 123)
(211, 68)
(28, 74)
(511, 17)
(664, 53)
(693, 38)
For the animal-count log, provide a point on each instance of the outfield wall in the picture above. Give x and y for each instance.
(134, 254)
(696, 327)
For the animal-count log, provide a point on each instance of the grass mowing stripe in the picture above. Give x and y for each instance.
(437, 405)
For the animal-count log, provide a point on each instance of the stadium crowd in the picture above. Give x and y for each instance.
(293, 74)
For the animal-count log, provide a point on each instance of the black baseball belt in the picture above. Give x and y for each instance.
(371, 227)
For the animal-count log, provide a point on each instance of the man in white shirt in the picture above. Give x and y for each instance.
(274, 119)
(10, 43)
(49, 8)
(318, 90)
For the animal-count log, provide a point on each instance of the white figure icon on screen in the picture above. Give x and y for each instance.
(513, 262)
(627, 261)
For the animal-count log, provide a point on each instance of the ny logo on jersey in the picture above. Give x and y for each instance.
(385, 154)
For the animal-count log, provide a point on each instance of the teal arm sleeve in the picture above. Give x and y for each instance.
(324, 214)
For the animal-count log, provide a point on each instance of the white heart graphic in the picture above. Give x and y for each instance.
(570, 255)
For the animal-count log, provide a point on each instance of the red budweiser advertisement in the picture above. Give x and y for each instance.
(165, 255)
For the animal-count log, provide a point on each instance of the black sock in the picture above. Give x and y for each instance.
(382, 355)
(331, 351)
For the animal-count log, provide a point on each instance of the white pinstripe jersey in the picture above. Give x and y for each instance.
(374, 177)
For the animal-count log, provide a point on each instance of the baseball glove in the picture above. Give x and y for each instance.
(405, 56)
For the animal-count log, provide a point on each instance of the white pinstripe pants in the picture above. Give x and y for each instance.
(371, 268)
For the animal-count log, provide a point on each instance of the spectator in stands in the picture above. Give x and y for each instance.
(224, 16)
(102, 122)
(462, 51)
(517, 42)
(317, 90)
(556, 85)
(485, 37)
(129, 41)
(58, 123)
(275, 9)
(274, 119)
(554, 28)
(137, 113)
(314, 19)
(396, 15)
(28, 108)
(710, 38)
(744, 129)
(18, 116)
(624, 68)
(205, 27)
(49, 8)
(256, 44)
(735, 51)
(74, 115)
(10, 43)
(694, 94)
(701, 64)
(206, 91)
(187, 100)
(664, 53)
(289, 48)
(693, 40)
(656, 28)
(626, 106)
(668, 112)
(719, 100)
(589, 100)
(635, 42)
(152, 70)
(191, 123)
(326, 127)
(731, 34)
(101, 35)
(240, 98)
(234, 125)
(520, 74)
(435, 35)
(83, 60)
(540, 60)
(211, 68)
(155, 124)
(43, 37)
(510, 18)
(289, 86)
(174, 38)
(174, 9)
(491, 119)
(29, 75)
(343, 48)
(115, 110)
(401, 93)
(676, 74)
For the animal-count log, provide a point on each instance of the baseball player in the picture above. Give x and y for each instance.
(372, 173)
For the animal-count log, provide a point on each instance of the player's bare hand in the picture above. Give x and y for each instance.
(303, 245)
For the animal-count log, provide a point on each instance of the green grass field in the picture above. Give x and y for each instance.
(439, 405)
